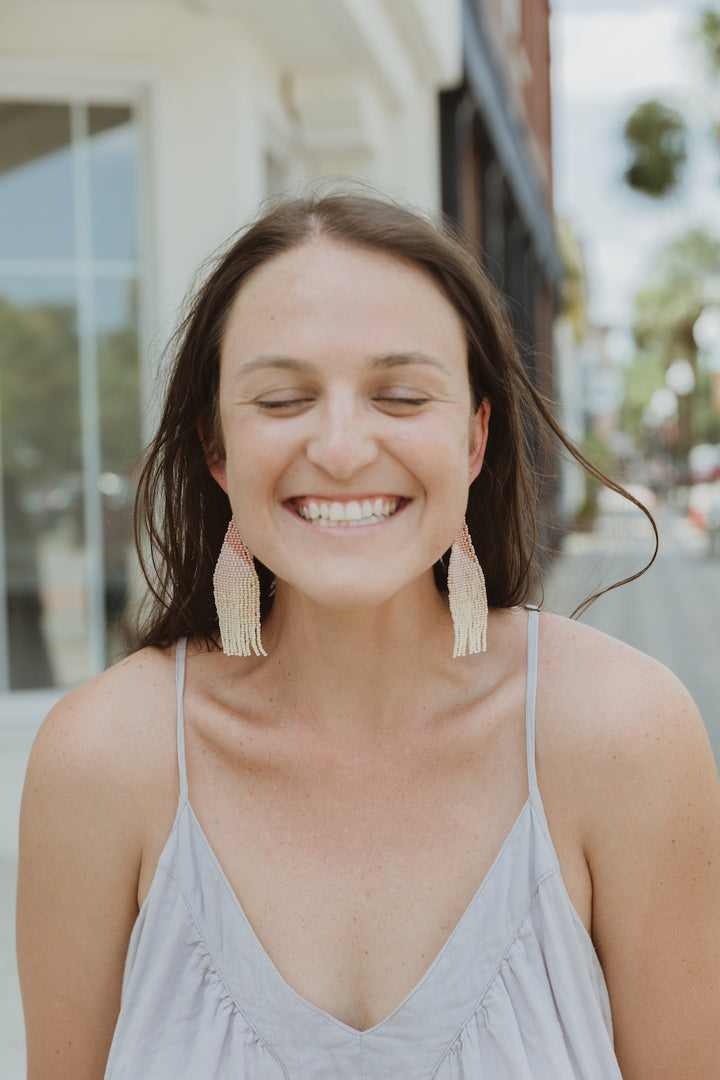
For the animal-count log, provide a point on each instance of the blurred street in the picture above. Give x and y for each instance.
(672, 612)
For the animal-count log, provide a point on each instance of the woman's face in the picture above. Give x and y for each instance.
(345, 406)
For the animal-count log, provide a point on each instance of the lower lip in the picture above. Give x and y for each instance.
(350, 528)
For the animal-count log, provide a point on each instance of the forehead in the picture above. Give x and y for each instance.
(324, 293)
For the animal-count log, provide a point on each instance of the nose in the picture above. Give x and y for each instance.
(342, 442)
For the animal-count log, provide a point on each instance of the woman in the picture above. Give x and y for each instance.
(349, 853)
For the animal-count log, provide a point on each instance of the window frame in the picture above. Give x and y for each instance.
(22, 711)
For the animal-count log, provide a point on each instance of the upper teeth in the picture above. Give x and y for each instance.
(367, 512)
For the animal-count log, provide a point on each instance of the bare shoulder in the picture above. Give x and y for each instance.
(626, 730)
(104, 755)
(622, 749)
(114, 722)
(610, 698)
(627, 763)
(101, 778)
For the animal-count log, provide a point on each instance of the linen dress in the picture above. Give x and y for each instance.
(516, 993)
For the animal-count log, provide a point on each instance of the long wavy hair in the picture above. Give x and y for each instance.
(181, 513)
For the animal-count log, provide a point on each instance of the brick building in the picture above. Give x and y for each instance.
(496, 143)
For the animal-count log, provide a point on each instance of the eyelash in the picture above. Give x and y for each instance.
(304, 401)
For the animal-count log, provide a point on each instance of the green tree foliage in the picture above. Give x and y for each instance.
(709, 33)
(40, 394)
(656, 135)
(39, 365)
(656, 138)
(668, 307)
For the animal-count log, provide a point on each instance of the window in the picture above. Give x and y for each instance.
(69, 387)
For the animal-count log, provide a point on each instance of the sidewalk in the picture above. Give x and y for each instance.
(12, 1035)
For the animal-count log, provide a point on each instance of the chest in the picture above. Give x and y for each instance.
(353, 869)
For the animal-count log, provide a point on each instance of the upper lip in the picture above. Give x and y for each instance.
(370, 497)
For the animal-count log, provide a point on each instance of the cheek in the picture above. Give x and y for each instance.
(445, 477)
(259, 459)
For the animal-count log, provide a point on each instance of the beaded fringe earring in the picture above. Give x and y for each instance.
(237, 597)
(467, 595)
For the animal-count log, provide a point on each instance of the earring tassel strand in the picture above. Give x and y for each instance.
(467, 596)
(237, 597)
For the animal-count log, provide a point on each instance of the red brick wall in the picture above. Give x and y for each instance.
(526, 65)
(536, 40)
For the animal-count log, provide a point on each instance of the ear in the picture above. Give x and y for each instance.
(479, 427)
(214, 461)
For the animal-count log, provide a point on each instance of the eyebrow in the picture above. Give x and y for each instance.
(290, 363)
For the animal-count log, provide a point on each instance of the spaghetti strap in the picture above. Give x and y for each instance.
(180, 650)
(530, 701)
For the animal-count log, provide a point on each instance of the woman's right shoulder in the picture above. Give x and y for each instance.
(101, 783)
(116, 725)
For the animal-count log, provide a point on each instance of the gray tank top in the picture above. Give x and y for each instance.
(516, 993)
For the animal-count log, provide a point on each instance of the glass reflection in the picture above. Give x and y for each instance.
(37, 216)
(42, 489)
(119, 399)
(113, 182)
(69, 388)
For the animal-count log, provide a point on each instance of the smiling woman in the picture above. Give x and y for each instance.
(375, 237)
(416, 830)
(343, 381)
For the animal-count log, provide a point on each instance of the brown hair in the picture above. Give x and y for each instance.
(181, 513)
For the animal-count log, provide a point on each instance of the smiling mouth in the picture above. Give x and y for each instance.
(343, 514)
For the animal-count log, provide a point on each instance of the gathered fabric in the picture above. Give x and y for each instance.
(516, 993)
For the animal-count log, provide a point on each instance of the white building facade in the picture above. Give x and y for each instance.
(135, 137)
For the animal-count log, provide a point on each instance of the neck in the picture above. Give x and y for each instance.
(358, 669)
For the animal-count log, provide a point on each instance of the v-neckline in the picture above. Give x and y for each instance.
(286, 988)
(526, 811)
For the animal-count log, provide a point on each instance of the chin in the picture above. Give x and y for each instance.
(362, 594)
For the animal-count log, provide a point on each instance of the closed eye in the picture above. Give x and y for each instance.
(285, 403)
(394, 401)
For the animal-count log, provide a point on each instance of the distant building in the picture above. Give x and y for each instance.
(572, 327)
(497, 176)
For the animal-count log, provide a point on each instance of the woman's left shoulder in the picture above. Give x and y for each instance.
(623, 738)
(609, 691)
(621, 728)
(625, 759)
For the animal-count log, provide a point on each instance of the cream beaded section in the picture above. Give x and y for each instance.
(237, 597)
(467, 595)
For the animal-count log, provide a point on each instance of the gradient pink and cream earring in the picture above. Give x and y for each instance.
(468, 597)
(237, 597)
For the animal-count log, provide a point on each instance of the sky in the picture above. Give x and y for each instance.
(608, 56)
